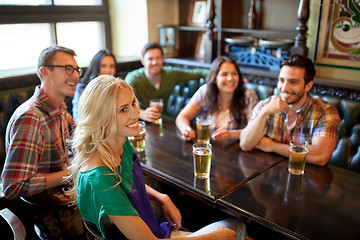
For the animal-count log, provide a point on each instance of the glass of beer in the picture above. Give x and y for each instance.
(139, 140)
(202, 159)
(298, 152)
(203, 124)
(159, 105)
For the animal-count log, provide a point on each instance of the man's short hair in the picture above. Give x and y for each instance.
(48, 53)
(151, 45)
(301, 62)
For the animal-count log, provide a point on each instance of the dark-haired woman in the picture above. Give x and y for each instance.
(103, 62)
(225, 97)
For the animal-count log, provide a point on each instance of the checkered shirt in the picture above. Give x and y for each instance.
(315, 119)
(35, 145)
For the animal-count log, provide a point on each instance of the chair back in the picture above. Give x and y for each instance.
(91, 233)
(15, 224)
(52, 205)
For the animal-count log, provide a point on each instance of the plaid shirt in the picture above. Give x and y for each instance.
(315, 119)
(35, 144)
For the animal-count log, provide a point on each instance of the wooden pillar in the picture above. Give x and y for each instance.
(210, 41)
(300, 39)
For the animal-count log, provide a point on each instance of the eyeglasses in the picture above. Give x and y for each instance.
(68, 69)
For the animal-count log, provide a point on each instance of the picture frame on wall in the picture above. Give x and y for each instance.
(197, 13)
(337, 47)
(167, 37)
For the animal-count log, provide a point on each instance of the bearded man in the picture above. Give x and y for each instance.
(293, 115)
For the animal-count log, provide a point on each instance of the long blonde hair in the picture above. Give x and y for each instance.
(96, 126)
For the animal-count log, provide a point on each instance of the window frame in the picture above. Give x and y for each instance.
(54, 14)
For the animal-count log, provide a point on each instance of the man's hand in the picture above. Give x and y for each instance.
(265, 144)
(276, 105)
(150, 114)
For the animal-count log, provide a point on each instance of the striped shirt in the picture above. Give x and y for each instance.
(315, 119)
(35, 145)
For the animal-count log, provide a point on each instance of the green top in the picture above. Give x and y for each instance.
(170, 77)
(97, 196)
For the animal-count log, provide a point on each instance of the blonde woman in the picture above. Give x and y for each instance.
(108, 181)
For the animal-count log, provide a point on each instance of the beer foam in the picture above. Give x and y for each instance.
(202, 151)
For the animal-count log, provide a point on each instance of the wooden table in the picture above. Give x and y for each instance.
(169, 158)
(324, 203)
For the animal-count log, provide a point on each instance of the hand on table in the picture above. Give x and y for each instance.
(221, 134)
(265, 144)
(188, 134)
(150, 114)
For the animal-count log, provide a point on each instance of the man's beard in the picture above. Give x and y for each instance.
(297, 99)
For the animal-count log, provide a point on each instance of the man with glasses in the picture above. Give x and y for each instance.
(36, 141)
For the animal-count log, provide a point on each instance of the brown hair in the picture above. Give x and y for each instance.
(151, 45)
(211, 97)
(301, 62)
(48, 53)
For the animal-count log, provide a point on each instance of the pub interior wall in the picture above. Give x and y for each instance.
(149, 13)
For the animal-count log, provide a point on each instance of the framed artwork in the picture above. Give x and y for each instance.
(339, 35)
(197, 14)
(167, 37)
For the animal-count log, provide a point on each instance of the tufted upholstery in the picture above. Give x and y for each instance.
(262, 91)
(9, 101)
(347, 152)
(181, 96)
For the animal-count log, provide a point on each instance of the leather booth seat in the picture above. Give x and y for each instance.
(181, 96)
(9, 101)
(347, 152)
